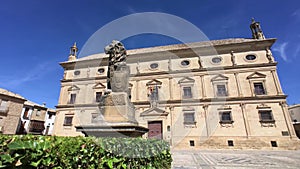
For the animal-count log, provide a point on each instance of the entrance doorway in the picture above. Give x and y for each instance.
(155, 129)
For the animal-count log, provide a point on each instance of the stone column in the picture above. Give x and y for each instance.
(171, 88)
(233, 58)
(205, 107)
(203, 86)
(287, 119)
(276, 81)
(170, 64)
(238, 84)
(137, 91)
(171, 131)
(245, 118)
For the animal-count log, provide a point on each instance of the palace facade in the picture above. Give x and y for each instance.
(214, 94)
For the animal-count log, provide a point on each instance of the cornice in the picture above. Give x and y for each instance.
(199, 70)
(245, 100)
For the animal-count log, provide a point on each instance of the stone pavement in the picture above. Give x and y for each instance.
(236, 159)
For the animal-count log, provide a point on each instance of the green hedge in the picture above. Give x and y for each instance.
(82, 152)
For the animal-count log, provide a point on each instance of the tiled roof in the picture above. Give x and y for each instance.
(11, 94)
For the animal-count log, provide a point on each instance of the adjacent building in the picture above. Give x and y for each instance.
(11, 105)
(36, 119)
(49, 122)
(21, 116)
(219, 93)
(295, 116)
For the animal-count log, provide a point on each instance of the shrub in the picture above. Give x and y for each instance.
(82, 152)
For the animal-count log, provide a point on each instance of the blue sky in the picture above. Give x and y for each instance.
(36, 35)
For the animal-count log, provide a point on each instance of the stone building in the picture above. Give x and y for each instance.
(49, 121)
(218, 94)
(295, 116)
(36, 119)
(11, 105)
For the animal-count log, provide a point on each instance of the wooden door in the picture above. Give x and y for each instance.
(155, 129)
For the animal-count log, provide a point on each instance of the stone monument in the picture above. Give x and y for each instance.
(117, 114)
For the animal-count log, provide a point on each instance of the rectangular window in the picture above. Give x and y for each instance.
(274, 144)
(153, 93)
(50, 114)
(192, 143)
(26, 111)
(98, 96)
(187, 92)
(68, 121)
(38, 112)
(266, 116)
(225, 117)
(72, 98)
(3, 106)
(259, 88)
(230, 143)
(189, 118)
(221, 90)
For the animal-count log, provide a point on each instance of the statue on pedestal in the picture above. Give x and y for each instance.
(116, 117)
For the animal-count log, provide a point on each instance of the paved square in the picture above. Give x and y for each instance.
(227, 159)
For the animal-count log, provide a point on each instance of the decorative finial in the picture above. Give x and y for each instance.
(257, 32)
(73, 52)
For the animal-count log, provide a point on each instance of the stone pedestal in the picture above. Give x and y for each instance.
(115, 119)
(116, 108)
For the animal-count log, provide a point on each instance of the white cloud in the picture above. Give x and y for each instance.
(281, 48)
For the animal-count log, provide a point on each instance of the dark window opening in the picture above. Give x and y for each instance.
(259, 89)
(25, 115)
(285, 133)
(189, 118)
(266, 116)
(98, 96)
(101, 70)
(72, 98)
(230, 143)
(225, 117)
(153, 65)
(187, 92)
(192, 143)
(77, 72)
(221, 90)
(274, 144)
(168, 128)
(153, 93)
(185, 63)
(250, 57)
(216, 60)
(68, 121)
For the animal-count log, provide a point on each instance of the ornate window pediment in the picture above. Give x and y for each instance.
(73, 88)
(99, 86)
(154, 111)
(220, 85)
(219, 78)
(154, 82)
(257, 82)
(256, 75)
(186, 80)
(186, 85)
